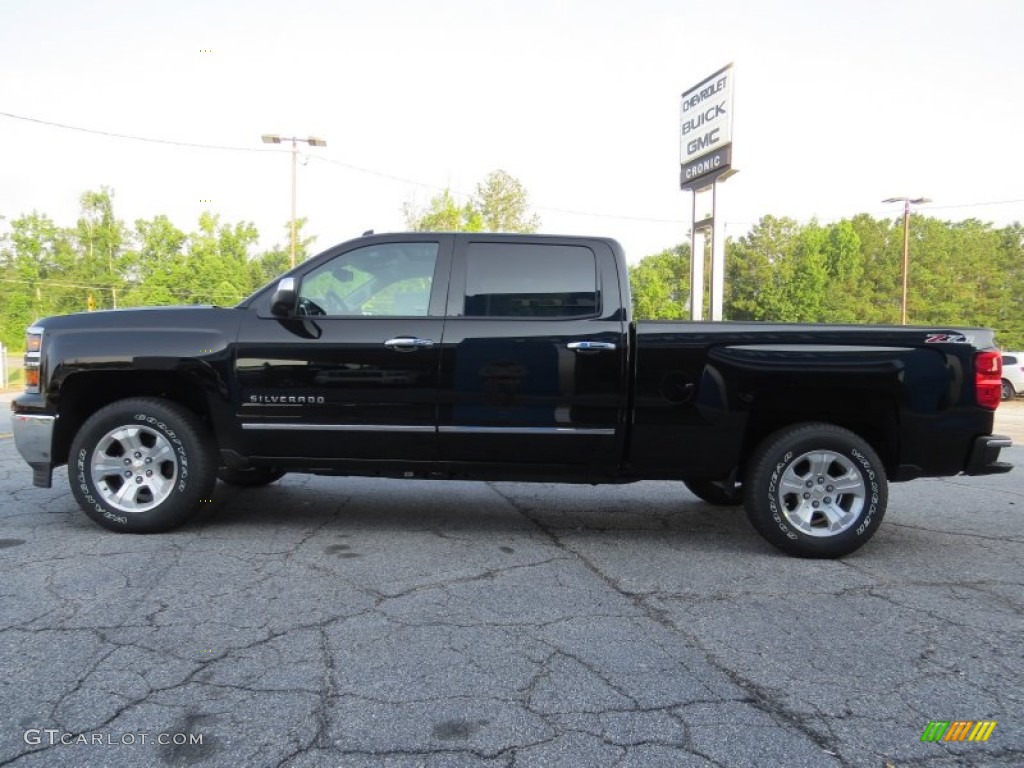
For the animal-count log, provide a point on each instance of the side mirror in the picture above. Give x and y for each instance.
(282, 302)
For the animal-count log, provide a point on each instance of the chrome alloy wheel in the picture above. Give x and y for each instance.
(821, 493)
(134, 468)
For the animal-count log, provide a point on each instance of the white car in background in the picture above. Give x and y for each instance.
(1013, 374)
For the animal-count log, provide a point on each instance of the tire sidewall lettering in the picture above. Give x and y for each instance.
(773, 484)
(868, 472)
(85, 486)
(176, 442)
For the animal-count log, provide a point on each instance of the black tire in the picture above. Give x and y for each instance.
(1008, 391)
(253, 477)
(816, 520)
(721, 494)
(171, 461)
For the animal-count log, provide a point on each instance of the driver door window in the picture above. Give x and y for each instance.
(386, 280)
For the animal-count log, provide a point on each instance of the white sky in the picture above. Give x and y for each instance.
(838, 105)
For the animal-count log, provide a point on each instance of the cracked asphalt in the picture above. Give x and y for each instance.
(359, 622)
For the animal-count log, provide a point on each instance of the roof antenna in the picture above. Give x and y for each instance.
(367, 233)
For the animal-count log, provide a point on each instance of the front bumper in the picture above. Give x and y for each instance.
(985, 454)
(33, 436)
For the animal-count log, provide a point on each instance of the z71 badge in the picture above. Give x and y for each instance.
(948, 338)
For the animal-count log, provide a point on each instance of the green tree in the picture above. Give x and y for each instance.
(877, 294)
(443, 214)
(100, 238)
(155, 269)
(661, 285)
(757, 269)
(268, 265)
(845, 268)
(500, 204)
(38, 279)
(217, 256)
(1007, 316)
(503, 204)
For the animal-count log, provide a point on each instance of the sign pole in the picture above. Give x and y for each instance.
(696, 264)
(717, 257)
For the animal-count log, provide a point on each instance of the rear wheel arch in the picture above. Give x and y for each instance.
(874, 417)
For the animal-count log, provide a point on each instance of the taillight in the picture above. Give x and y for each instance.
(988, 378)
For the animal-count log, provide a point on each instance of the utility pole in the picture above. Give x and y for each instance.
(313, 141)
(907, 202)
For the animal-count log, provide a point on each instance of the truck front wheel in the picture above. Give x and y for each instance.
(142, 465)
(816, 490)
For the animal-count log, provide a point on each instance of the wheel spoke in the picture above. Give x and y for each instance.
(125, 495)
(801, 516)
(129, 438)
(162, 452)
(836, 516)
(106, 466)
(159, 485)
(791, 482)
(820, 462)
(850, 482)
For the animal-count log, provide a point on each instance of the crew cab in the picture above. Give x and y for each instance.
(495, 356)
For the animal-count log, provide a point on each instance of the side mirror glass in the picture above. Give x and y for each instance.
(282, 302)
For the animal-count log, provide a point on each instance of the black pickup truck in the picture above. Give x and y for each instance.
(512, 357)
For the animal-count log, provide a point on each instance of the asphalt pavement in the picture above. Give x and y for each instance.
(360, 622)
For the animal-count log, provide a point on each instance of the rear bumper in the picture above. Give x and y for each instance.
(984, 458)
(33, 436)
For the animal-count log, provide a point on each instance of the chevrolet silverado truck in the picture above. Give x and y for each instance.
(500, 357)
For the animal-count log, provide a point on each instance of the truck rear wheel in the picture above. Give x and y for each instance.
(141, 465)
(816, 490)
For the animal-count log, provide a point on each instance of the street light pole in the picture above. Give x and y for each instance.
(907, 202)
(313, 141)
(295, 155)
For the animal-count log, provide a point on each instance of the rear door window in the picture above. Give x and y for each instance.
(530, 280)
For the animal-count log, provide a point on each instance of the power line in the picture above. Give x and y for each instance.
(971, 205)
(150, 140)
(47, 281)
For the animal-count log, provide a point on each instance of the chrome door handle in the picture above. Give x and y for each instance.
(590, 346)
(407, 343)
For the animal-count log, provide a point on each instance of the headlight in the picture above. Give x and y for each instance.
(33, 347)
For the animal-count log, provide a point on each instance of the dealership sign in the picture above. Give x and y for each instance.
(705, 129)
